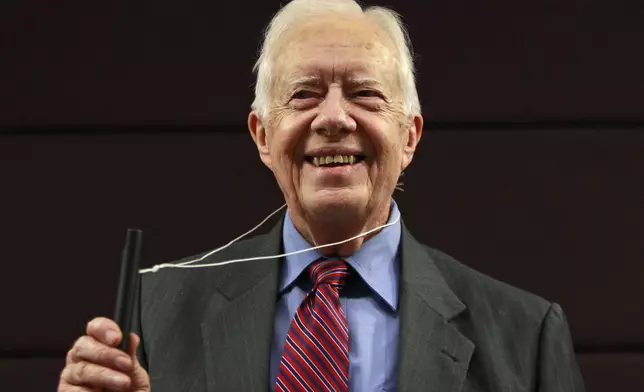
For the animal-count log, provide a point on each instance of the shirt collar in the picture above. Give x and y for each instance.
(375, 261)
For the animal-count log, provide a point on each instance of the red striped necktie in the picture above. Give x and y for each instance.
(316, 351)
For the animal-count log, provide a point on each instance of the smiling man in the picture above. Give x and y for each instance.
(336, 118)
(333, 120)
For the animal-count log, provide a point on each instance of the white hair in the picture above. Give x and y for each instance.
(388, 20)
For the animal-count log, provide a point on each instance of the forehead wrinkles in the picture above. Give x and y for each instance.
(328, 49)
(336, 33)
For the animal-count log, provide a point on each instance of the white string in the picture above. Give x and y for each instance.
(165, 265)
(189, 264)
(234, 240)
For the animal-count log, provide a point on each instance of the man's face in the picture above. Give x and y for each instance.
(335, 135)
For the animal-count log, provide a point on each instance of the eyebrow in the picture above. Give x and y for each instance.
(316, 80)
(306, 80)
(363, 81)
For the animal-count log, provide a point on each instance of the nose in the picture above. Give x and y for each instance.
(333, 119)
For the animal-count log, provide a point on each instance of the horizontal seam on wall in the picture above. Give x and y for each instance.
(234, 128)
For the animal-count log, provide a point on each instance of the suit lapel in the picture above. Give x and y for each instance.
(237, 332)
(433, 354)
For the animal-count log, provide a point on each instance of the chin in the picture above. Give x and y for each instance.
(336, 204)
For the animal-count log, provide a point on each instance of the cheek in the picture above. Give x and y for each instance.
(289, 135)
(283, 149)
(386, 142)
(390, 159)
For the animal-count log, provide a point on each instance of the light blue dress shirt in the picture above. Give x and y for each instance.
(370, 302)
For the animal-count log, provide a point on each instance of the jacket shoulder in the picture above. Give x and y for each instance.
(480, 291)
(188, 279)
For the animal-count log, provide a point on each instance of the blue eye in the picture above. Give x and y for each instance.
(304, 94)
(367, 93)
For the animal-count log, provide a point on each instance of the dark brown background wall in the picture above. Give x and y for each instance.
(124, 115)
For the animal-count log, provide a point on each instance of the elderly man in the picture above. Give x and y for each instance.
(336, 117)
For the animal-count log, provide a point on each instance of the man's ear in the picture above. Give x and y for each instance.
(258, 133)
(414, 132)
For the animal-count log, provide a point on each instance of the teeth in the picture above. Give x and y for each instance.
(350, 159)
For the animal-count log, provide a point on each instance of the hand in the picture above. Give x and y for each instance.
(95, 363)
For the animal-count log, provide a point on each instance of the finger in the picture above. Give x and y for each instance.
(90, 375)
(105, 330)
(139, 376)
(74, 388)
(134, 344)
(88, 349)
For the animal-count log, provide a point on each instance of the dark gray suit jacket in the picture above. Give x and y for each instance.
(211, 329)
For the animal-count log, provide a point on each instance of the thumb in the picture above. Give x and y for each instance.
(134, 345)
(139, 376)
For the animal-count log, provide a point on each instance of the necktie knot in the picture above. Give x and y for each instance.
(331, 272)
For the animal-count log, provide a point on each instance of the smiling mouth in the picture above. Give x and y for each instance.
(334, 160)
